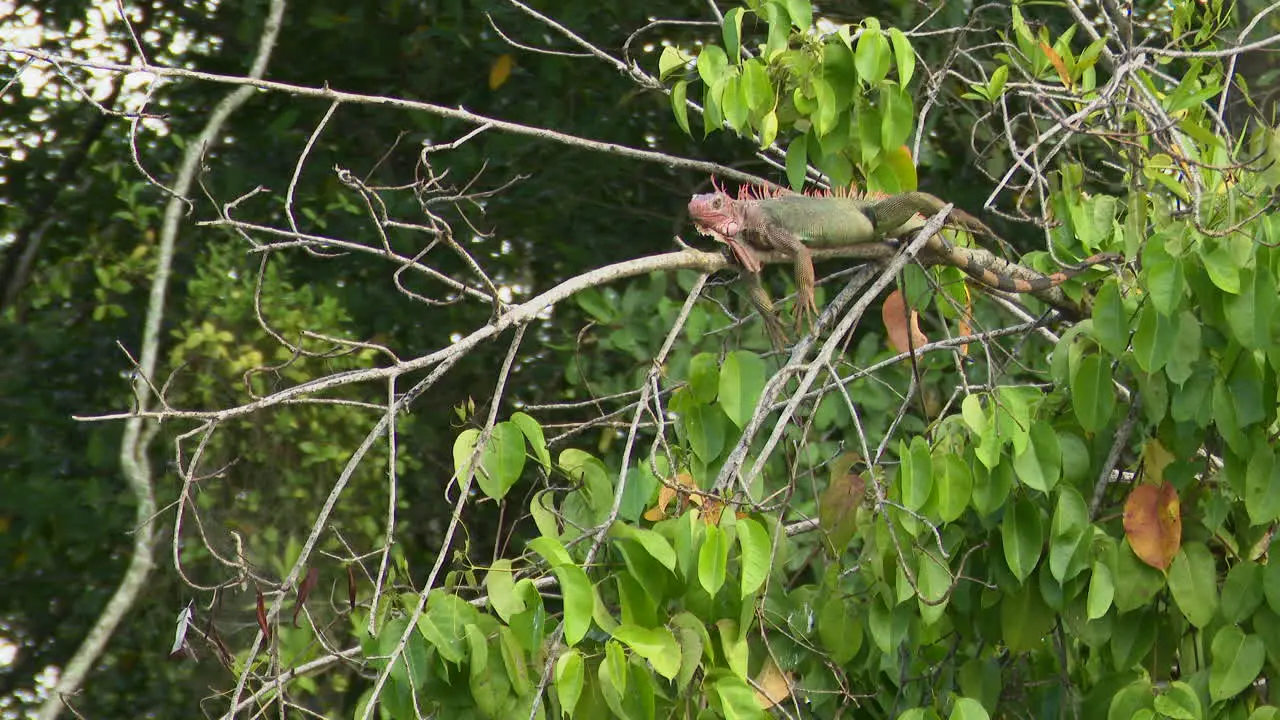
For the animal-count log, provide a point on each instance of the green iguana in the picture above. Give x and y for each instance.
(792, 223)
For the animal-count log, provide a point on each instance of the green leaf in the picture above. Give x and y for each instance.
(1180, 702)
(502, 590)
(613, 677)
(1242, 591)
(1194, 584)
(1221, 264)
(967, 709)
(1110, 324)
(732, 30)
(1092, 395)
(974, 416)
(712, 65)
(954, 488)
(756, 555)
(903, 56)
(1022, 533)
(693, 638)
(1133, 702)
(1101, 591)
(705, 430)
(670, 61)
(713, 560)
(533, 433)
(570, 674)
(502, 460)
(737, 699)
(756, 87)
(801, 12)
(824, 120)
(444, 624)
(872, 56)
(575, 587)
(991, 487)
(742, 379)
(658, 547)
(513, 659)
(1237, 660)
(734, 102)
(680, 105)
(798, 161)
(768, 129)
(657, 645)
(704, 377)
(1154, 338)
(1251, 313)
(1040, 465)
(734, 644)
(1186, 348)
(897, 118)
(1068, 549)
(1262, 485)
(1166, 282)
(915, 474)
(839, 629)
(1025, 620)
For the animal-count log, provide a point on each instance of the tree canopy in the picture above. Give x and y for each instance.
(362, 361)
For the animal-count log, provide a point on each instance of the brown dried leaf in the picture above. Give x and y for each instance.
(262, 616)
(1153, 524)
(304, 590)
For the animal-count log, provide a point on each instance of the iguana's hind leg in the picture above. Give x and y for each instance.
(892, 212)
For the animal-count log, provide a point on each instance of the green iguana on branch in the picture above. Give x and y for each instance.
(792, 223)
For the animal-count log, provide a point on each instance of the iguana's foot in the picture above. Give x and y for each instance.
(806, 311)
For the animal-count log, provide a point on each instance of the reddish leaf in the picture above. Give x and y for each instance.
(351, 586)
(1153, 524)
(904, 331)
(262, 617)
(308, 584)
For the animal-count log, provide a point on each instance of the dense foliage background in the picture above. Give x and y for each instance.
(347, 354)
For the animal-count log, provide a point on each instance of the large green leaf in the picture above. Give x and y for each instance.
(1194, 584)
(742, 379)
(1237, 660)
(1092, 395)
(1022, 534)
(756, 557)
(657, 645)
(1040, 465)
(713, 560)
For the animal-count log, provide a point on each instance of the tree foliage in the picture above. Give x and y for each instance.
(440, 438)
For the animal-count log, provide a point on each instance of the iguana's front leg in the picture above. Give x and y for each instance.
(806, 306)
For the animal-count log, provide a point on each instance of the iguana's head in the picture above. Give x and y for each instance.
(714, 214)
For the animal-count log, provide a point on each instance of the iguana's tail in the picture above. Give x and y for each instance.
(996, 272)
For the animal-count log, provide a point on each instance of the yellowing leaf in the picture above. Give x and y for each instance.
(772, 685)
(500, 70)
(1156, 459)
(1058, 64)
(668, 492)
(1153, 524)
